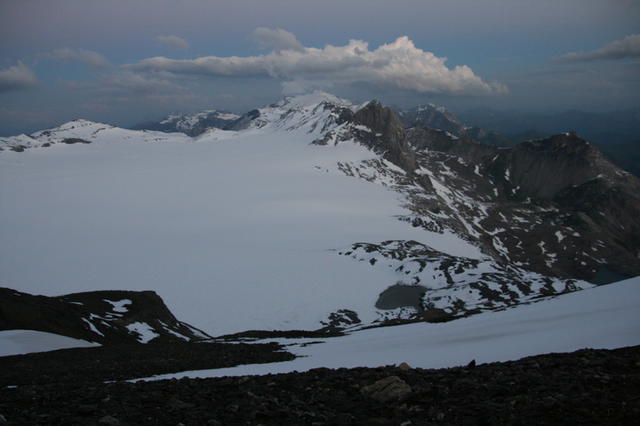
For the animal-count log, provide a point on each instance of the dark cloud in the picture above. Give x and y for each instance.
(399, 64)
(629, 47)
(87, 57)
(124, 81)
(17, 77)
(172, 41)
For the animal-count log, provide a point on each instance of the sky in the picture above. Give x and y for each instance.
(127, 61)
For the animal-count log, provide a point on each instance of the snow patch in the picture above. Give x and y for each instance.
(16, 342)
(119, 305)
(144, 331)
(92, 327)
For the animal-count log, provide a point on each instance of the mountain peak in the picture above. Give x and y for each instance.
(432, 116)
(311, 99)
(78, 123)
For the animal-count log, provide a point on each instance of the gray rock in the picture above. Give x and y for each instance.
(389, 389)
(404, 366)
(109, 420)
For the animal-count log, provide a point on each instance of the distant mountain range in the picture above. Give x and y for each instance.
(193, 124)
(603, 128)
(615, 133)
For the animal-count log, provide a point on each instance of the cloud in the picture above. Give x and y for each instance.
(628, 47)
(17, 77)
(125, 81)
(277, 39)
(172, 41)
(399, 65)
(124, 88)
(87, 57)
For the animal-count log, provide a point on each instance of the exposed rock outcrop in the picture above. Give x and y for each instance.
(105, 317)
(388, 135)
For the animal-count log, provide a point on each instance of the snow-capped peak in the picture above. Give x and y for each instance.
(312, 99)
(314, 113)
(73, 125)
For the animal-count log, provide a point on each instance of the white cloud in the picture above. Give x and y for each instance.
(628, 47)
(87, 57)
(17, 77)
(399, 65)
(277, 39)
(172, 41)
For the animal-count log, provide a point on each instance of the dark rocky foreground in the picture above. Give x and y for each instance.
(67, 387)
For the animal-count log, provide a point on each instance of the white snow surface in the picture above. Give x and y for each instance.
(119, 306)
(234, 230)
(604, 317)
(145, 331)
(16, 342)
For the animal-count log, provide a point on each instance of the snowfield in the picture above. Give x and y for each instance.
(16, 342)
(605, 317)
(234, 230)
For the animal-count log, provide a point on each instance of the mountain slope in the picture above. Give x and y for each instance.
(305, 213)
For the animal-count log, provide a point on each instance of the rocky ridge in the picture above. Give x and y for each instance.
(439, 118)
(105, 317)
(466, 186)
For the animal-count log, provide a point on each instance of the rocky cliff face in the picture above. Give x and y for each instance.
(105, 317)
(545, 167)
(387, 134)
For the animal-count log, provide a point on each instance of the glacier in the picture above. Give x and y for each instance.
(235, 230)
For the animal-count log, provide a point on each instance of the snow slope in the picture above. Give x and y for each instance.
(234, 230)
(87, 131)
(605, 317)
(15, 342)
